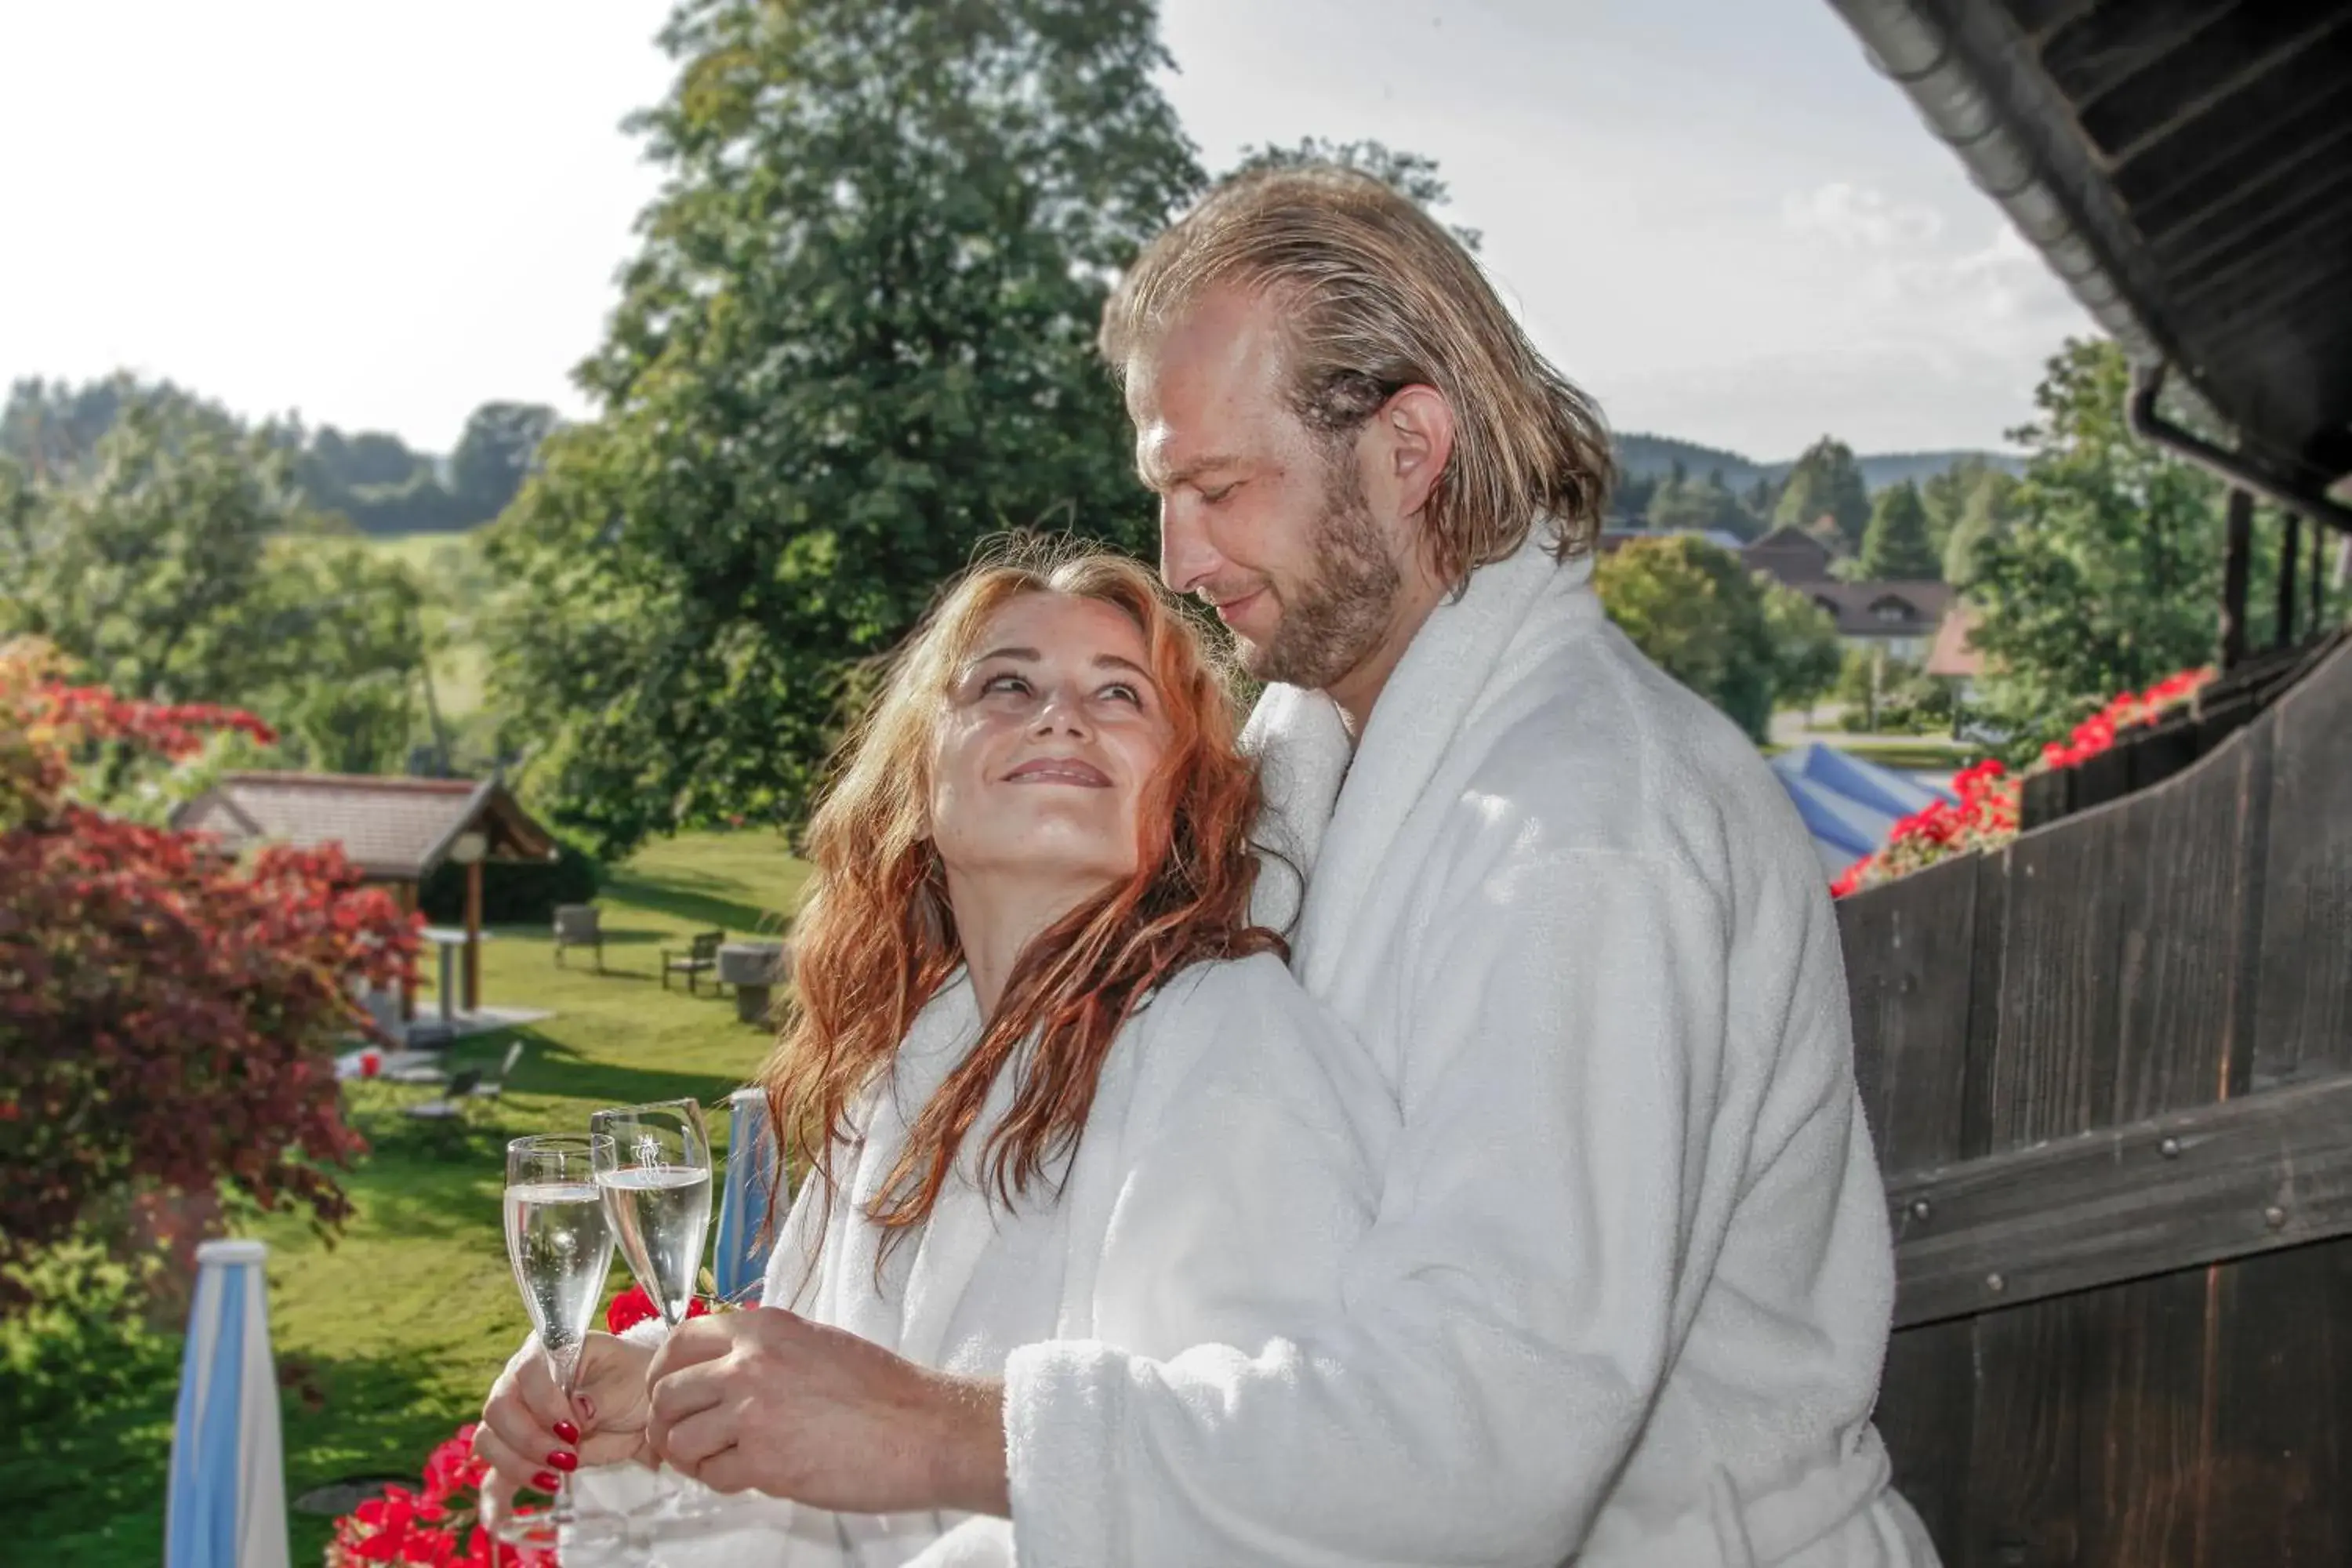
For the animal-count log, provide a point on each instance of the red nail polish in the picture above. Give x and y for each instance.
(568, 1431)
(564, 1460)
(546, 1480)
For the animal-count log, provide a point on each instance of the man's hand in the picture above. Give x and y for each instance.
(767, 1401)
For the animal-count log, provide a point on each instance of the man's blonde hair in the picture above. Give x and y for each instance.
(1376, 296)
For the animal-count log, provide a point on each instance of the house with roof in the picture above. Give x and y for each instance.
(1788, 554)
(1900, 618)
(1952, 657)
(395, 830)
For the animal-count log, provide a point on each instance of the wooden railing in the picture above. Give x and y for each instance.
(2109, 1070)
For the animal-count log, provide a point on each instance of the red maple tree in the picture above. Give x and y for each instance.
(167, 1014)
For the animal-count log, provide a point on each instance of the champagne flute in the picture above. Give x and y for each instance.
(560, 1245)
(652, 1169)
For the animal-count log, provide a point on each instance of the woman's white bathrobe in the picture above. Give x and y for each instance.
(1629, 1289)
(1227, 1166)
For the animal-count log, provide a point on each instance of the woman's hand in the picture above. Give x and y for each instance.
(529, 1432)
(767, 1401)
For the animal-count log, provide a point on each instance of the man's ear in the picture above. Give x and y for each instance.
(1415, 432)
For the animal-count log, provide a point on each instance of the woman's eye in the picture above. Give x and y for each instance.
(1214, 497)
(1014, 683)
(1121, 692)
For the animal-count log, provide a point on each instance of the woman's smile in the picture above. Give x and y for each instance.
(1060, 770)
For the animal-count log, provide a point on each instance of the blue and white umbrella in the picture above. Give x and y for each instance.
(227, 1505)
(741, 1260)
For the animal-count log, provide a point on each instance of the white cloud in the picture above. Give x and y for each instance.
(1858, 217)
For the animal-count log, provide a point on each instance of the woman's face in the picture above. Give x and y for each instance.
(1050, 735)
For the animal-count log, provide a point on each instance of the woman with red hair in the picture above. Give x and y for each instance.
(1046, 1078)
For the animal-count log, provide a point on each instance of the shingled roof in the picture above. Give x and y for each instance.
(394, 829)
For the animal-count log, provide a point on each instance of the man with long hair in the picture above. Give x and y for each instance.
(1630, 1283)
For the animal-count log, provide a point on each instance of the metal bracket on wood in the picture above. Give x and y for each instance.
(2270, 1170)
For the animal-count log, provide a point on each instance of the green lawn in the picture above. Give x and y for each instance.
(387, 1340)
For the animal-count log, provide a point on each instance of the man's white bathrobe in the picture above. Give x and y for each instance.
(1629, 1287)
(1229, 1163)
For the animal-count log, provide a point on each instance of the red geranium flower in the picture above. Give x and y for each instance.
(634, 1306)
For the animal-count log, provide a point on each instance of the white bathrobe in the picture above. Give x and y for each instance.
(1629, 1287)
(1228, 1164)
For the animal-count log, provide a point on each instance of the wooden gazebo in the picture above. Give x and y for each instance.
(396, 830)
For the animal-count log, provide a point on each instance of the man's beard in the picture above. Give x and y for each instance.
(1332, 622)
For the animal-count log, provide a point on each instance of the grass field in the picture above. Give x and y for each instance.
(387, 1339)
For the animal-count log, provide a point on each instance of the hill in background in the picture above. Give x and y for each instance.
(1645, 456)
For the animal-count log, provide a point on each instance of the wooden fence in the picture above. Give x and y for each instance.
(2109, 1069)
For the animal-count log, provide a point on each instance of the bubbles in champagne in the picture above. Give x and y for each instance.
(660, 1214)
(560, 1244)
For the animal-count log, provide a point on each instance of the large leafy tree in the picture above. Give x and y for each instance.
(1826, 484)
(494, 456)
(1681, 503)
(1701, 617)
(858, 340)
(2108, 578)
(1807, 656)
(1895, 544)
(177, 562)
(1989, 506)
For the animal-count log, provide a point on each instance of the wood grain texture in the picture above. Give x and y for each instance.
(2280, 1492)
(2303, 1021)
(2180, 868)
(2144, 1424)
(1927, 1415)
(2054, 1052)
(1986, 971)
(1908, 949)
(2083, 1212)
(2025, 1446)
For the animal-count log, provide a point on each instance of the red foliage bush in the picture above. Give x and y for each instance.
(166, 1015)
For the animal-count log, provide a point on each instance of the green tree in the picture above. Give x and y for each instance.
(1701, 504)
(1806, 654)
(1990, 509)
(1701, 617)
(494, 456)
(184, 567)
(53, 428)
(2109, 577)
(857, 339)
(1412, 175)
(350, 704)
(1896, 546)
(1826, 482)
(142, 571)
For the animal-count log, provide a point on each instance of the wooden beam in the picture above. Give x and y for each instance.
(2290, 553)
(406, 893)
(2199, 1186)
(2237, 556)
(473, 988)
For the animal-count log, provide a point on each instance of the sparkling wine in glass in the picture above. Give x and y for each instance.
(560, 1245)
(652, 1169)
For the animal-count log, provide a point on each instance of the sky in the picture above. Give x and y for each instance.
(1713, 213)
